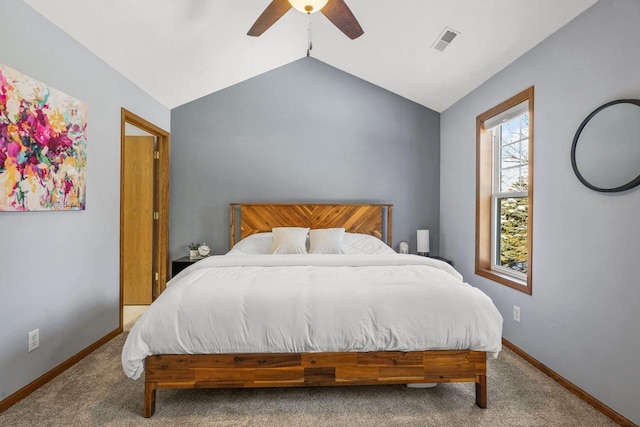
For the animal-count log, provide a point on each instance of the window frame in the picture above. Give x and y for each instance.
(486, 209)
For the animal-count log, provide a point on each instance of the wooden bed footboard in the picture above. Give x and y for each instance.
(313, 369)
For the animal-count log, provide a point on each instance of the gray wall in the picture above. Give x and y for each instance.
(303, 132)
(582, 319)
(59, 270)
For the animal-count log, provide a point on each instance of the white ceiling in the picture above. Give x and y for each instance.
(180, 50)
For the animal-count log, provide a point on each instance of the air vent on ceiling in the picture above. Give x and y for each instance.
(445, 38)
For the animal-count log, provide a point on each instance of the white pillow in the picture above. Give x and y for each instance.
(289, 240)
(359, 244)
(353, 244)
(256, 244)
(326, 241)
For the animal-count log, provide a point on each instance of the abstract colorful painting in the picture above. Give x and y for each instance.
(43, 146)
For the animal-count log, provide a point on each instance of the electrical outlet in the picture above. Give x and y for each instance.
(516, 313)
(34, 339)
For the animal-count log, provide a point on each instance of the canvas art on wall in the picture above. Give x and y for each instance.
(43, 144)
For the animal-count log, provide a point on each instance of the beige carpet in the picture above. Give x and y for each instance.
(95, 392)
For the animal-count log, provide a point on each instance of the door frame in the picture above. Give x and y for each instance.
(161, 201)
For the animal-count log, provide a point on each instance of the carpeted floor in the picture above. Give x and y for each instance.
(95, 392)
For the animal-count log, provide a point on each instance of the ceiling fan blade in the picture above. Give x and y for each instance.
(341, 16)
(273, 12)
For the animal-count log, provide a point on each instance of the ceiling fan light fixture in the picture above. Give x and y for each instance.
(308, 6)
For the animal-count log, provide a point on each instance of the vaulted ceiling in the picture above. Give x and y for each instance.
(181, 50)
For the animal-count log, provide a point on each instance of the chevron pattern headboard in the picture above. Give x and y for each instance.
(251, 218)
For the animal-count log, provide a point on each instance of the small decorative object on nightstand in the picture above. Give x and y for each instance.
(423, 242)
(193, 250)
(204, 250)
(403, 248)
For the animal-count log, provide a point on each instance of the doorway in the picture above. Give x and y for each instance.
(144, 211)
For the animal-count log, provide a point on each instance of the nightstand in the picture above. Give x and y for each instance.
(448, 261)
(179, 264)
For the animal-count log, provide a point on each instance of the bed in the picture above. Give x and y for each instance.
(248, 319)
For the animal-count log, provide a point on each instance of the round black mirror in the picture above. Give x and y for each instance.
(605, 154)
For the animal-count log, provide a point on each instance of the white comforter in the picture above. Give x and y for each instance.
(314, 303)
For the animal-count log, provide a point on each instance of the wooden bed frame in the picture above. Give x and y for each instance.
(312, 369)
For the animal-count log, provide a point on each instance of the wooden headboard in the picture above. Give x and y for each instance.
(373, 219)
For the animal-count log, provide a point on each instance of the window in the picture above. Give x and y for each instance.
(504, 196)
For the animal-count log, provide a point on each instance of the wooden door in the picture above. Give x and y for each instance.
(137, 220)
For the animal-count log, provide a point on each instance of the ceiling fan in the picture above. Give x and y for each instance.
(336, 11)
